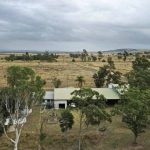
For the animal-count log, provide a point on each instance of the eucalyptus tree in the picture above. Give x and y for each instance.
(66, 122)
(135, 105)
(111, 62)
(23, 90)
(125, 55)
(87, 101)
(139, 77)
(106, 75)
(100, 54)
(140, 63)
(94, 58)
(84, 55)
(114, 77)
(100, 76)
(135, 109)
(95, 115)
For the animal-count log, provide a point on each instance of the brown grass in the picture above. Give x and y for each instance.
(116, 137)
(65, 70)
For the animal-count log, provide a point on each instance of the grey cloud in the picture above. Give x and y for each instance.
(74, 24)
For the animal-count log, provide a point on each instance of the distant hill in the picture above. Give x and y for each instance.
(129, 50)
(2, 51)
(19, 51)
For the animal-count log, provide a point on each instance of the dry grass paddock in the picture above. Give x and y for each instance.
(65, 70)
(116, 137)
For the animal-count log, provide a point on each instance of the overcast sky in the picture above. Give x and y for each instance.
(74, 24)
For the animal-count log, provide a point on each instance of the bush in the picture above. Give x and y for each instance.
(73, 60)
(42, 136)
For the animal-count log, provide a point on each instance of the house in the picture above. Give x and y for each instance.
(48, 99)
(61, 97)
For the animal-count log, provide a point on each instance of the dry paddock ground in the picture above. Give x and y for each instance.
(65, 70)
(116, 137)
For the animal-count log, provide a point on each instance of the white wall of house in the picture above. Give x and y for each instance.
(59, 103)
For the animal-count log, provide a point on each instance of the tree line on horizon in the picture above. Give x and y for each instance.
(46, 56)
(86, 57)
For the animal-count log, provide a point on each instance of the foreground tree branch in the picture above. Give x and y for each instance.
(23, 91)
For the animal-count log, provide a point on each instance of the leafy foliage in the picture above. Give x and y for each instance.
(80, 80)
(24, 89)
(134, 108)
(100, 54)
(141, 63)
(91, 106)
(139, 79)
(105, 75)
(125, 55)
(140, 76)
(84, 55)
(56, 82)
(66, 120)
(17, 76)
(111, 62)
(95, 115)
(74, 55)
(94, 58)
(46, 56)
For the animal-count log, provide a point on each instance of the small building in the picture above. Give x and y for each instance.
(61, 97)
(49, 99)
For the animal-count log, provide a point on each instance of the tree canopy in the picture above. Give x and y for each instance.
(66, 121)
(134, 109)
(91, 107)
(139, 77)
(141, 63)
(23, 90)
(106, 75)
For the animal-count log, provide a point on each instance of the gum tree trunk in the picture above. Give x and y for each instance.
(16, 140)
(16, 146)
(80, 129)
(135, 139)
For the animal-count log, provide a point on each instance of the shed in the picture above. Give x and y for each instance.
(63, 95)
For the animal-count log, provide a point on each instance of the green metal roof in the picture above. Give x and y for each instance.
(65, 93)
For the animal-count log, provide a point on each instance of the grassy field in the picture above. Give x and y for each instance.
(66, 70)
(116, 137)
